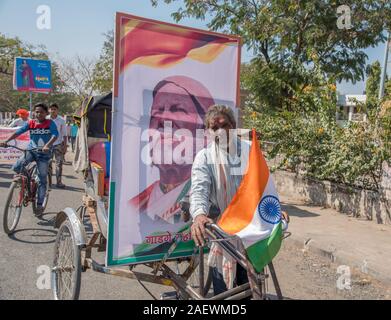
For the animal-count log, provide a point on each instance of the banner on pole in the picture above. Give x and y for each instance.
(166, 78)
(32, 75)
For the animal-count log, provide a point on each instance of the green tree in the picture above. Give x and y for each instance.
(67, 101)
(373, 83)
(77, 76)
(14, 47)
(387, 90)
(103, 71)
(10, 99)
(291, 40)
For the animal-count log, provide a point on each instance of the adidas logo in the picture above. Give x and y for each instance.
(40, 131)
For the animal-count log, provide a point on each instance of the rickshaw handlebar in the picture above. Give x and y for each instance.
(216, 228)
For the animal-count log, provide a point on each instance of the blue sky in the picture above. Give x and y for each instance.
(78, 26)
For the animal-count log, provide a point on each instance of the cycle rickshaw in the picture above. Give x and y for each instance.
(189, 277)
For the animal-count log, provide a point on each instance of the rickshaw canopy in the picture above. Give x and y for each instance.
(98, 111)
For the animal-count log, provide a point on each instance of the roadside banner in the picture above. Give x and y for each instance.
(32, 75)
(11, 155)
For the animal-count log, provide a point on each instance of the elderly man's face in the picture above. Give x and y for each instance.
(220, 124)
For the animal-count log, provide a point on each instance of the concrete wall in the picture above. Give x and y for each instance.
(375, 206)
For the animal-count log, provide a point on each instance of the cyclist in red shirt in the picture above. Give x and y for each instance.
(43, 133)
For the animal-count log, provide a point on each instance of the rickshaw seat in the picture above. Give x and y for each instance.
(99, 154)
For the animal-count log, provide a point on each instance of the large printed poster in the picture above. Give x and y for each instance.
(166, 78)
(32, 75)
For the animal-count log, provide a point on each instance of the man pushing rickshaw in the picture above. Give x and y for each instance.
(170, 178)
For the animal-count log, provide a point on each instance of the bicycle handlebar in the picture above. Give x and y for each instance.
(24, 150)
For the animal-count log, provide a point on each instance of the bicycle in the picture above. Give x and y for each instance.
(22, 191)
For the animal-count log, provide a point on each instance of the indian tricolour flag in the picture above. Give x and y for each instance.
(254, 214)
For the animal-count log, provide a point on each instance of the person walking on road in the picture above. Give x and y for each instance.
(22, 120)
(60, 146)
(74, 130)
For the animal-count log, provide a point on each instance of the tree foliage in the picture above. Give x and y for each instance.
(314, 145)
(103, 71)
(373, 83)
(14, 47)
(10, 99)
(77, 75)
(291, 40)
(73, 79)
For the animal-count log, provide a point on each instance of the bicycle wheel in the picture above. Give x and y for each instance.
(66, 269)
(13, 208)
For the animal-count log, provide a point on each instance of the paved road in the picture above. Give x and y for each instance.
(302, 274)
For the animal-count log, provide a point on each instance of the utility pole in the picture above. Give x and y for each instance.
(385, 64)
(31, 104)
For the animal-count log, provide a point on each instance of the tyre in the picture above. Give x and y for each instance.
(66, 271)
(12, 208)
(193, 279)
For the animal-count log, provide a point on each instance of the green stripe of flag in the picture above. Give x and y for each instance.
(262, 253)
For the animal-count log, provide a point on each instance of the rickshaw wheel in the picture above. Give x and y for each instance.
(66, 265)
(193, 280)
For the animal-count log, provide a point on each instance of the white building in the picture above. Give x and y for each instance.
(349, 108)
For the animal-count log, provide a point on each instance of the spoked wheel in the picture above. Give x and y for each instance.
(13, 207)
(82, 213)
(67, 264)
(194, 278)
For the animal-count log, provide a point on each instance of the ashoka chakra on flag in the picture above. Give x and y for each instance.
(269, 209)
